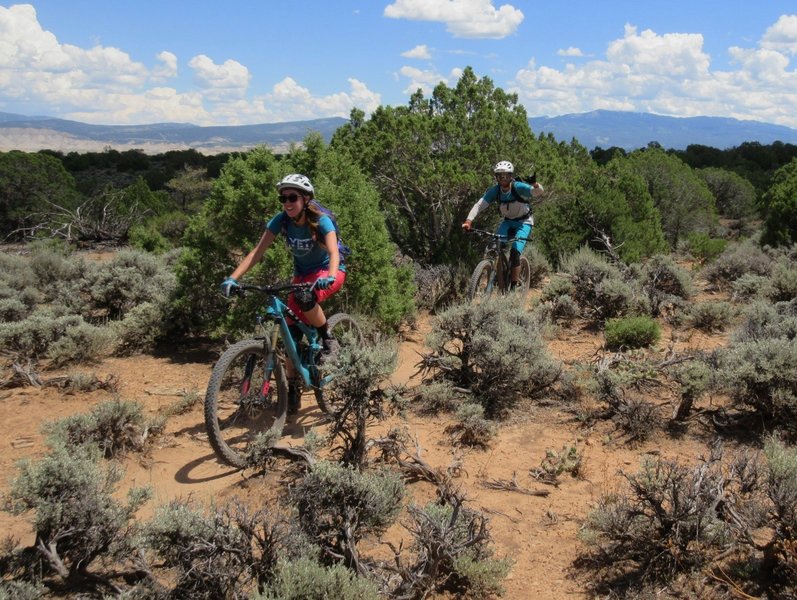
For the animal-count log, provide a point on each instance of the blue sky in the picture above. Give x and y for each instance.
(267, 61)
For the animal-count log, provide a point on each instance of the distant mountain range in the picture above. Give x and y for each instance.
(604, 128)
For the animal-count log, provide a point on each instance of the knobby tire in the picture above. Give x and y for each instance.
(482, 281)
(235, 409)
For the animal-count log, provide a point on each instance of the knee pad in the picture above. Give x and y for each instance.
(514, 257)
(305, 298)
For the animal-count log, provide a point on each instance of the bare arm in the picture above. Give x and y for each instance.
(254, 256)
(331, 243)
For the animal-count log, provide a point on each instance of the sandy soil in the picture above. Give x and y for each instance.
(539, 533)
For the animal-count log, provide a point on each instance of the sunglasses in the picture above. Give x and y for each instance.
(289, 198)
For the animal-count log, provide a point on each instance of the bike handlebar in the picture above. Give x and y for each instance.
(242, 288)
(497, 236)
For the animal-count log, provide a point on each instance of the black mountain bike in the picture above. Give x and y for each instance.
(493, 273)
(247, 395)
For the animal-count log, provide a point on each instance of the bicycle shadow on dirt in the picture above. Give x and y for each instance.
(296, 427)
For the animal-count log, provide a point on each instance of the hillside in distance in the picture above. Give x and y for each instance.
(632, 130)
(603, 128)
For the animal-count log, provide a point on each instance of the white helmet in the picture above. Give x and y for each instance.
(295, 180)
(504, 167)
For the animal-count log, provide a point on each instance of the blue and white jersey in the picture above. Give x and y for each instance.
(513, 206)
(309, 255)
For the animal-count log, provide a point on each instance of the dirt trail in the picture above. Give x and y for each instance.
(539, 533)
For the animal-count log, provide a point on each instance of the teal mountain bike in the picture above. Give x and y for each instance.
(248, 390)
(492, 274)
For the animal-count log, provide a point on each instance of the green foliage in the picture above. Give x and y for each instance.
(782, 285)
(471, 428)
(597, 286)
(437, 397)
(703, 247)
(668, 522)
(338, 505)
(631, 332)
(734, 196)
(780, 202)
(77, 518)
(737, 260)
(306, 579)
(611, 201)
(763, 375)
(432, 159)
(681, 196)
(494, 349)
(762, 320)
(710, 316)
(30, 184)
(115, 427)
(453, 552)
(375, 285)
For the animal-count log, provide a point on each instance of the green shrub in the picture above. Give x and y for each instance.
(710, 316)
(668, 522)
(494, 349)
(141, 328)
(305, 579)
(763, 375)
(81, 343)
(435, 397)
(453, 552)
(748, 287)
(115, 427)
(471, 428)
(12, 309)
(631, 332)
(540, 267)
(77, 517)
(597, 286)
(762, 320)
(338, 505)
(705, 248)
(738, 260)
(693, 378)
(665, 283)
(32, 337)
(783, 282)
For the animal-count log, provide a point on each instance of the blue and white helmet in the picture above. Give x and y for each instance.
(504, 167)
(296, 181)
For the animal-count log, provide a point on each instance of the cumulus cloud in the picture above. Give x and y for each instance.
(670, 74)
(426, 80)
(227, 80)
(420, 51)
(167, 67)
(463, 18)
(782, 36)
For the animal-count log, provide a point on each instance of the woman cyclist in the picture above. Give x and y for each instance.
(313, 242)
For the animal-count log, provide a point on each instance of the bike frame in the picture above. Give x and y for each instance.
(278, 312)
(496, 250)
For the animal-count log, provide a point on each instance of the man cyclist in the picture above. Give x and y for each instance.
(514, 203)
(313, 242)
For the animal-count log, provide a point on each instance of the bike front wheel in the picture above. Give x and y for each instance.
(482, 281)
(348, 333)
(246, 399)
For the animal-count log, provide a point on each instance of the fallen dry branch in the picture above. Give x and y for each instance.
(511, 485)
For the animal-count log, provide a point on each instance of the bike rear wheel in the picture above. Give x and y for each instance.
(482, 282)
(348, 333)
(247, 396)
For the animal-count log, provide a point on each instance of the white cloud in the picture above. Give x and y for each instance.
(463, 18)
(420, 51)
(669, 74)
(782, 36)
(571, 51)
(228, 80)
(426, 80)
(167, 67)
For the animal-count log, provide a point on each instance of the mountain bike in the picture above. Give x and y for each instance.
(493, 272)
(247, 396)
